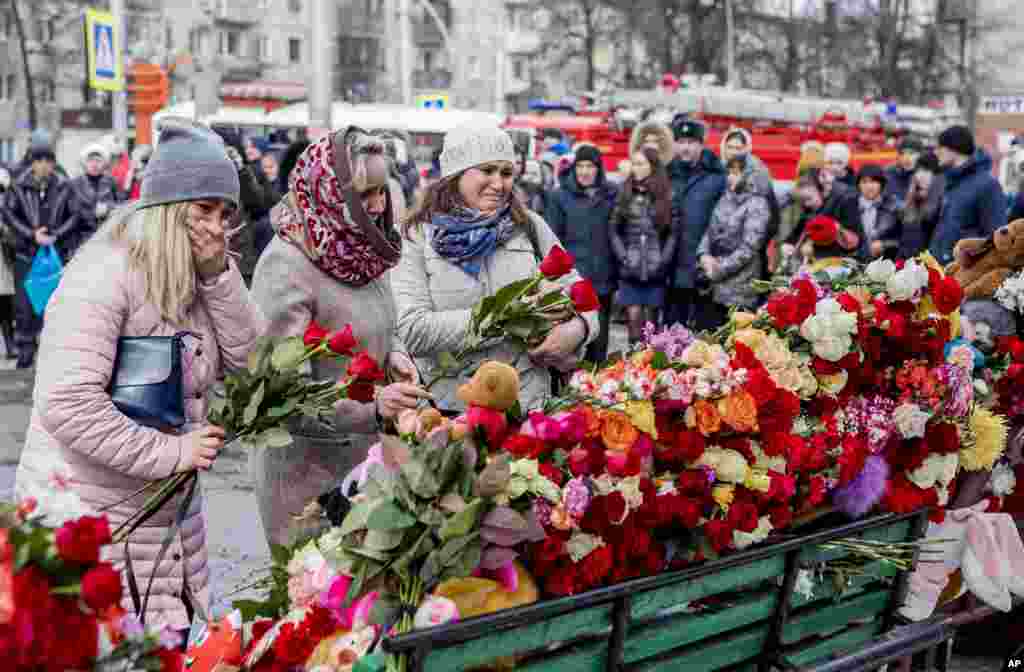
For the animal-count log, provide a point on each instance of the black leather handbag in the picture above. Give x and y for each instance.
(147, 384)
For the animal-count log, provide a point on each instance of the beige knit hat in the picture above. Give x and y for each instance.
(469, 146)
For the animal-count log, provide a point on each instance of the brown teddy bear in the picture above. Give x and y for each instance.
(982, 264)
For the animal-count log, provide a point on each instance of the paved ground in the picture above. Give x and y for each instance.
(236, 543)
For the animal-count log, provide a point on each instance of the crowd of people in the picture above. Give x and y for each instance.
(342, 232)
(683, 232)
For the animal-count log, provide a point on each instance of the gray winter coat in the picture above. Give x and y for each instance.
(736, 238)
(643, 253)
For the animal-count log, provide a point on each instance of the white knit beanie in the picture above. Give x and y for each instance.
(469, 146)
(837, 151)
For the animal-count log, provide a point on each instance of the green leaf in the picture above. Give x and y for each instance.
(281, 555)
(447, 363)
(462, 522)
(524, 327)
(288, 353)
(388, 516)
(276, 437)
(465, 563)
(370, 554)
(432, 567)
(507, 294)
(284, 409)
(659, 361)
(258, 356)
(450, 552)
(377, 540)
(423, 545)
(22, 557)
(432, 517)
(421, 480)
(357, 516)
(73, 589)
(252, 409)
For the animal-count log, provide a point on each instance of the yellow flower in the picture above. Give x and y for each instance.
(833, 384)
(752, 338)
(742, 318)
(698, 354)
(758, 480)
(723, 495)
(642, 415)
(989, 440)
(954, 324)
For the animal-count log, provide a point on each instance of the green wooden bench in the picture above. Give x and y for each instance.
(752, 619)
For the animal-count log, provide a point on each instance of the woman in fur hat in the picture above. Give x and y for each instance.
(656, 136)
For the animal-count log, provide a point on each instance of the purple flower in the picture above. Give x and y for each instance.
(862, 493)
(542, 511)
(169, 639)
(132, 628)
(577, 497)
(671, 340)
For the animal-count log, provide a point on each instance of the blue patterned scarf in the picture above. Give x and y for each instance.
(467, 237)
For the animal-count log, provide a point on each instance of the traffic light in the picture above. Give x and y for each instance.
(148, 92)
(433, 101)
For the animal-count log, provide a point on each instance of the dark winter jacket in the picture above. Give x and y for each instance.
(84, 194)
(533, 197)
(842, 206)
(644, 254)
(737, 237)
(258, 195)
(1017, 209)
(581, 220)
(897, 182)
(973, 206)
(696, 189)
(28, 207)
(886, 228)
(918, 220)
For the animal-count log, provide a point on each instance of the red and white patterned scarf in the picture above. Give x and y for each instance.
(315, 218)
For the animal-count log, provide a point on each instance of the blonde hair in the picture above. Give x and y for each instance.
(159, 248)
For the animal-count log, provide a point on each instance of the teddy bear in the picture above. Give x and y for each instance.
(982, 264)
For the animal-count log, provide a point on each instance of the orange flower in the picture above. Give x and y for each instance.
(617, 431)
(591, 419)
(707, 417)
(739, 410)
(6, 578)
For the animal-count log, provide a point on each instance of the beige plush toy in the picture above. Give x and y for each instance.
(982, 264)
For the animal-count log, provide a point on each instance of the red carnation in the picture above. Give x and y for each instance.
(902, 496)
(719, 534)
(557, 263)
(526, 447)
(693, 482)
(364, 367)
(79, 541)
(688, 512)
(817, 491)
(851, 460)
(782, 487)
(849, 303)
(343, 342)
(690, 445)
(781, 516)
(101, 586)
(743, 515)
(583, 296)
(822, 230)
(947, 295)
(315, 335)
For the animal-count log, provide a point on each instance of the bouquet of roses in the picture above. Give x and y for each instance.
(59, 605)
(524, 312)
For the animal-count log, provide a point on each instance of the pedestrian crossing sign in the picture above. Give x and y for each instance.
(433, 101)
(103, 51)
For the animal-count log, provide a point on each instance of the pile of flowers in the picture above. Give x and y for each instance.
(59, 604)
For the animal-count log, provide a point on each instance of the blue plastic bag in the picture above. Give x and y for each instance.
(43, 277)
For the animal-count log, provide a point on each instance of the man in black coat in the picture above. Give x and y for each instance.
(579, 214)
(33, 205)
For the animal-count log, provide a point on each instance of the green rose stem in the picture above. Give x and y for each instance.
(410, 594)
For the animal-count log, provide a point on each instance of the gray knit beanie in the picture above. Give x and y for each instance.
(189, 163)
(469, 146)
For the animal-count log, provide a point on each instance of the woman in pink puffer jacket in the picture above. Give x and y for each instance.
(157, 268)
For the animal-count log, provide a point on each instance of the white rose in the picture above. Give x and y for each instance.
(744, 539)
(937, 470)
(910, 420)
(880, 270)
(1003, 481)
(732, 467)
(813, 328)
(950, 463)
(905, 284)
(832, 348)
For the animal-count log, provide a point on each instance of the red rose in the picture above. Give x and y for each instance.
(77, 638)
(693, 483)
(781, 517)
(583, 296)
(552, 473)
(822, 230)
(615, 506)
(365, 368)
(1017, 350)
(908, 455)
(315, 335)
(851, 460)
(782, 487)
(361, 392)
(817, 491)
(688, 512)
(947, 295)
(806, 298)
(902, 496)
(743, 516)
(942, 437)
(101, 586)
(579, 461)
(290, 647)
(760, 386)
(79, 541)
(938, 515)
(849, 304)
(561, 583)
(526, 447)
(690, 445)
(343, 342)
(557, 263)
(492, 424)
(171, 661)
(784, 310)
(596, 566)
(719, 534)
